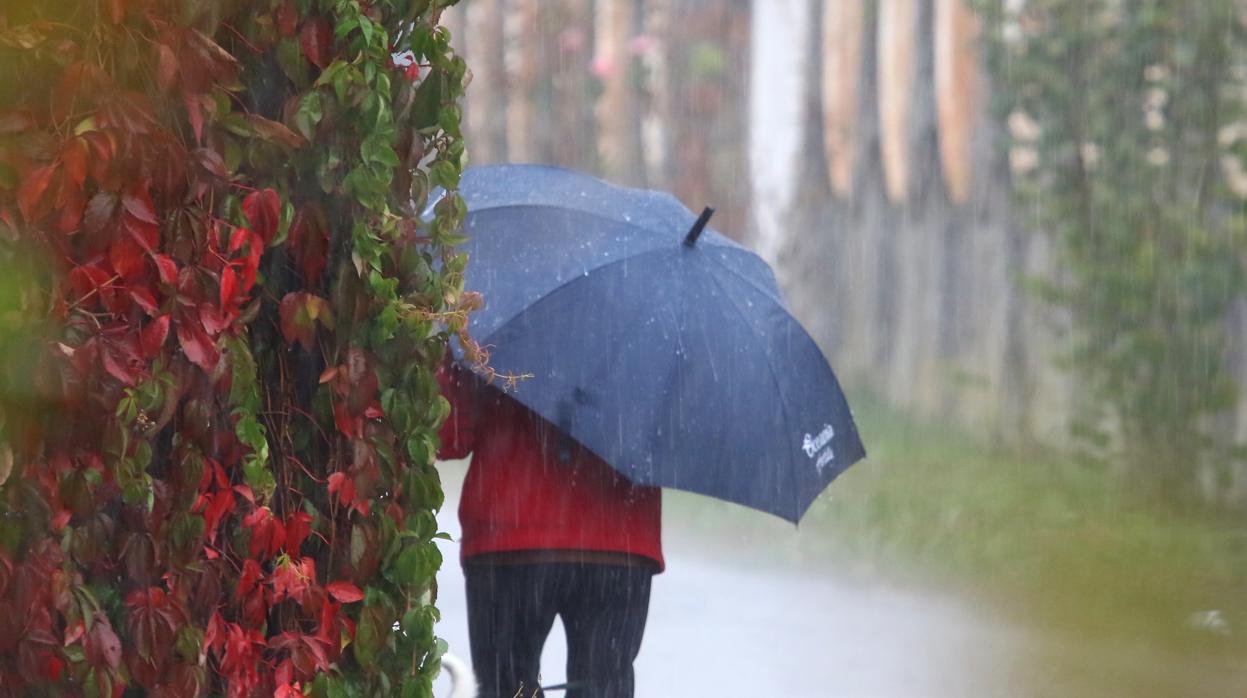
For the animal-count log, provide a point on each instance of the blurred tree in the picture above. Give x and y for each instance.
(522, 52)
(1124, 106)
(485, 107)
(619, 134)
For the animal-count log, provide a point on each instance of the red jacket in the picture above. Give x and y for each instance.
(530, 487)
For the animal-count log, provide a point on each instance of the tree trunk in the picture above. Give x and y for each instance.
(485, 111)
(842, 63)
(779, 70)
(957, 90)
(652, 47)
(897, 26)
(618, 133)
(571, 90)
(522, 45)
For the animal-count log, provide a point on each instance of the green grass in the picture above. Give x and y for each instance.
(1058, 545)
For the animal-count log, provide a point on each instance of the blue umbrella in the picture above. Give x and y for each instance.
(654, 341)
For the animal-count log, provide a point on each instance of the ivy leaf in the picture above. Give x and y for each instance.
(268, 534)
(166, 67)
(153, 336)
(344, 592)
(197, 345)
(287, 18)
(309, 242)
(140, 220)
(263, 211)
(99, 213)
(298, 527)
(145, 299)
(316, 39)
(35, 184)
(427, 102)
(166, 268)
(229, 283)
(248, 580)
(275, 131)
(299, 314)
(74, 158)
(126, 257)
(103, 648)
(152, 624)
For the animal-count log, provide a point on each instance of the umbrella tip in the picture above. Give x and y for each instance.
(698, 227)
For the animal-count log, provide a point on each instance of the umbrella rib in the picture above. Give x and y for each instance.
(678, 233)
(776, 295)
(718, 238)
(548, 294)
(783, 401)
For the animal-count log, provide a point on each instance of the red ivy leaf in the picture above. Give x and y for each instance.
(309, 242)
(51, 666)
(287, 18)
(286, 690)
(140, 206)
(62, 517)
(298, 526)
(167, 268)
(103, 648)
(121, 359)
(152, 625)
(220, 504)
(350, 426)
(153, 336)
(210, 160)
(198, 346)
(87, 278)
(293, 579)
(335, 482)
(275, 131)
(32, 190)
(267, 533)
(249, 580)
(345, 592)
(166, 67)
(229, 282)
(316, 38)
(74, 157)
(99, 214)
(299, 313)
(145, 299)
(238, 238)
(141, 221)
(69, 204)
(263, 211)
(126, 257)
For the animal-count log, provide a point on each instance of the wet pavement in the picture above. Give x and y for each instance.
(731, 620)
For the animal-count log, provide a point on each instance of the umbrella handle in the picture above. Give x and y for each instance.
(698, 227)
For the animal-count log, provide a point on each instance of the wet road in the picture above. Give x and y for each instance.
(731, 620)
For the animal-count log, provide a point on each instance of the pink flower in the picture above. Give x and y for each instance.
(572, 39)
(601, 67)
(642, 44)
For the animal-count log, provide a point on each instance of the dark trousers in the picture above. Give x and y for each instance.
(511, 609)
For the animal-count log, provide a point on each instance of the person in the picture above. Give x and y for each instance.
(548, 529)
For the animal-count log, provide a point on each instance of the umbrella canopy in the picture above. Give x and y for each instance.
(670, 356)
